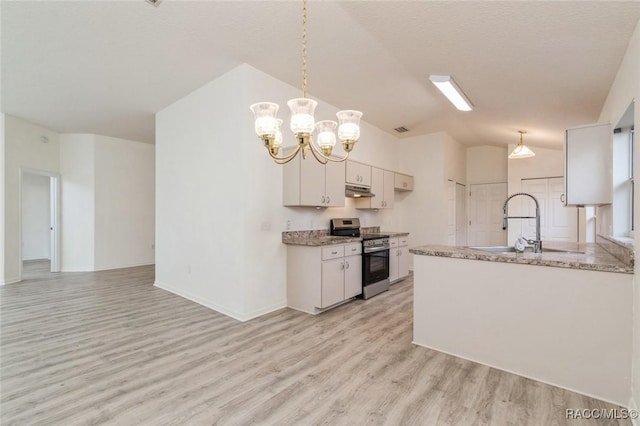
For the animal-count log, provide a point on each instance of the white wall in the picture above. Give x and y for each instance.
(124, 203)
(108, 202)
(77, 169)
(36, 216)
(432, 159)
(219, 213)
(486, 164)
(625, 88)
(23, 148)
(2, 192)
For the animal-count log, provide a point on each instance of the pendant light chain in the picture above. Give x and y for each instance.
(303, 124)
(304, 48)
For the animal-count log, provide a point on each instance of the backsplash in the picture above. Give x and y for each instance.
(618, 249)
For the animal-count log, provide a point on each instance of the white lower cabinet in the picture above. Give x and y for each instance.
(321, 277)
(398, 259)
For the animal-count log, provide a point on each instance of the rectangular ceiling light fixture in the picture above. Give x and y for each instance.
(450, 89)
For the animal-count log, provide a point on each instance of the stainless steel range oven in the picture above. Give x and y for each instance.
(375, 255)
(375, 264)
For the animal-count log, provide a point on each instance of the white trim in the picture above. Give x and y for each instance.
(216, 307)
(522, 375)
(77, 269)
(634, 406)
(108, 268)
(10, 281)
(55, 206)
(129, 265)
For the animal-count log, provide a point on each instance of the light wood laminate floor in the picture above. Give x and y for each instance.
(109, 348)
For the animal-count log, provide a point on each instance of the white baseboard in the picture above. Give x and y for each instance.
(128, 265)
(217, 307)
(601, 398)
(76, 269)
(104, 268)
(10, 281)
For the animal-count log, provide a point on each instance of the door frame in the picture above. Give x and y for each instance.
(54, 204)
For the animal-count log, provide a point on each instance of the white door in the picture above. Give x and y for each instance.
(557, 222)
(451, 213)
(461, 215)
(485, 214)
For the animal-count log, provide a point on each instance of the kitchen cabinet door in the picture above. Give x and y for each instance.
(358, 174)
(388, 185)
(588, 166)
(352, 276)
(403, 182)
(334, 184)
(377, 187)
(394, 264)
(312, 182)
(403, 262)
(332, 283)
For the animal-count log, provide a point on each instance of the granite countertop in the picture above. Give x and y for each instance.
(395, 234)
(321, 237)
(586, 256)
(324, 240)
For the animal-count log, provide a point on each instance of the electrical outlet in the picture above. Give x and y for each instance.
(153, 246)
(287, 225)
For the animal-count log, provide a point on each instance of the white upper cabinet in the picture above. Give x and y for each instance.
(588, 165)
(382, 185)
(358, 174)
(310, 183)
(403, 182)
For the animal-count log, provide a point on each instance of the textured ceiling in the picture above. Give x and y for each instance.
(107, 67)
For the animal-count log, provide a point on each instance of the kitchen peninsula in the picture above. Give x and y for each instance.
(561, 317)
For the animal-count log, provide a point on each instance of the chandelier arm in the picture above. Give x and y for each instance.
(317, 154)
(286, 158)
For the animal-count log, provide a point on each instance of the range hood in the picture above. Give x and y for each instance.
(353, 191)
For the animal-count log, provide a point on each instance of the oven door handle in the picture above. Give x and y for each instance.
(376, 249)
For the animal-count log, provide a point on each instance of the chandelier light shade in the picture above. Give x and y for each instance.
(447, 85)
(268, 126)
(521, 150)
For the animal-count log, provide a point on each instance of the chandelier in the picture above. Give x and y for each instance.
(303, 124)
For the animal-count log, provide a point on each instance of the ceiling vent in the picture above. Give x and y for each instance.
(156, 3)
(401, 129)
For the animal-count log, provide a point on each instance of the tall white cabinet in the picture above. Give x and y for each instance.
(588, 165)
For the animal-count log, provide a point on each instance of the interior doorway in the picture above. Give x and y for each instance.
(485, 214)
(39, 239)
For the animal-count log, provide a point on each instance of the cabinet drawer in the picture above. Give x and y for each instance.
(403, 241)
(393, 242)
(332, 252)
(352, 249)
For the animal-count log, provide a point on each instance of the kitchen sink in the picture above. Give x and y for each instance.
(507, 249)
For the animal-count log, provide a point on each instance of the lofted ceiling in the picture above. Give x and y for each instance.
(106, 67)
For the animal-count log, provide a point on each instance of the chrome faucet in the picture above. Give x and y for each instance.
(537, 243)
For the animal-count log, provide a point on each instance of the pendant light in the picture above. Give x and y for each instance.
(521, 150)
